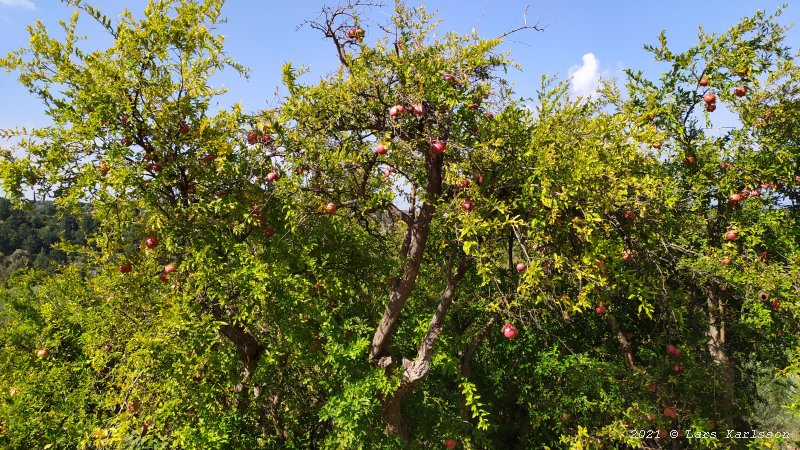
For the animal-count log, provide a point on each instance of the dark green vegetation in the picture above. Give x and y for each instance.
(558, 272)
(27, 236)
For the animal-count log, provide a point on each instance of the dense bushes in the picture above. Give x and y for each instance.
(274, 280)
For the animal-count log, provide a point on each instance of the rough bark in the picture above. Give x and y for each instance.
(625, 346)
(247, 346)
(717, 349)
(419, 229)
(416, 370)
(391, 407)
(403, 285)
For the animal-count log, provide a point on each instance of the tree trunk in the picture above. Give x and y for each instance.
(416, 370)
(625, 346)
(717, 349)
(247, 347)
(414, 252)
(393, 415)
(404, 285)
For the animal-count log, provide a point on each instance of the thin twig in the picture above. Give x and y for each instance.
(525, 26)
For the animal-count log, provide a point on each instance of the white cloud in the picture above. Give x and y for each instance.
(27, 4)
(586, 77)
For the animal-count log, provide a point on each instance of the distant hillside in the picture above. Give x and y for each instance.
(26, 236)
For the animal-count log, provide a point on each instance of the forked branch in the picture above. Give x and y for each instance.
(525, 25)
(334, 23)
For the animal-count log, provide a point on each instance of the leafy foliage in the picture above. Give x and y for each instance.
(282, 280)
(32, 237)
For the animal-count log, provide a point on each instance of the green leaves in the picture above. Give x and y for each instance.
(472, 401)
(260, 337)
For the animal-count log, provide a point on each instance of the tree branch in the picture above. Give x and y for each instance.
(627, 352)
(472, 350)
(418, 369)
(418, 230)
(525, 26)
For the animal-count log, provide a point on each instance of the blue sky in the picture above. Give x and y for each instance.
(588, 38)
